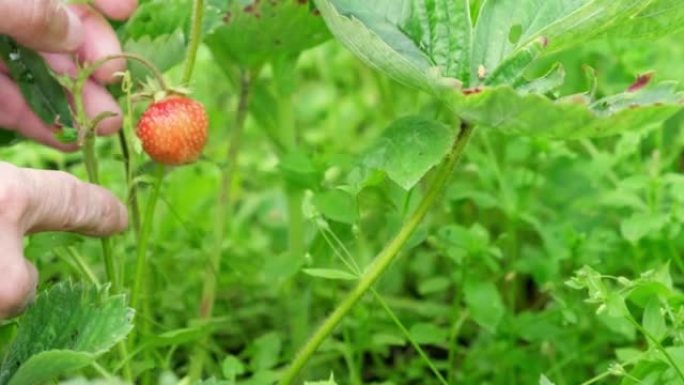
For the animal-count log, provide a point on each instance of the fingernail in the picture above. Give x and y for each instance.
(75, 34)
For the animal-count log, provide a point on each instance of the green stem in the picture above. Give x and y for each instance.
(195, 38)
(141, 252)
(132, 200)
(90, 160)
(383, 260)
(222, 210)
(658, 346)
(453, 341)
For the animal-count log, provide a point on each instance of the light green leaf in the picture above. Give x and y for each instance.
(232, 367)
(85, 321)
(657, 18)
(333, 274)
(640, 225)
(266, 352)
(428, 333)
(337, 205)
(543, 380)
(42, 367)
(408, 149)
(484, 302)
(43, 243)
(505, 110)
(653, 320)
(164, 51)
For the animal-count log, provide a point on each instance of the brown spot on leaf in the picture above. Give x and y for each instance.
(544, 41)
(227, 17)
(472, 91)
(641, 82)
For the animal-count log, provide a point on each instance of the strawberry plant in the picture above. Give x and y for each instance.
(368, 192)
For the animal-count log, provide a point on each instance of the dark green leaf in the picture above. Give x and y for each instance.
(42, 91)
(253, 33)
(68, 326)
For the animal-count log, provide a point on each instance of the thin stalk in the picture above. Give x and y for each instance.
(407, 334)
(141, 252)
(383, 260)
(90, 160)
(222, 211)
(453, 340)
(125, 144)
(139, 283)
(82, 265)
(195, 39)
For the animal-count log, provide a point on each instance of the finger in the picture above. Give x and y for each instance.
(45, 25)
(70, 205)
(18, 278)
(116, 9)
(96, 99)
(16, 115)
(101, 42)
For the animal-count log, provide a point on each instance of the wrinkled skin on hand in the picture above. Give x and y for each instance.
(35, 200)
(64, 36)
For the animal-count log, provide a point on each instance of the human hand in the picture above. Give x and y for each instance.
(36, 200)
(64, 35)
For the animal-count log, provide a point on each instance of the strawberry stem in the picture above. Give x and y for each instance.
(90, 69)
(195, 38)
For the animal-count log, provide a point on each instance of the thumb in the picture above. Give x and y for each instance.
(44, 25)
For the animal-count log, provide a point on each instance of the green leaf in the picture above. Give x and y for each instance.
(337, 205)
(408, 149)
(657, 18)
(157, 18)
(654, 321)
(427, 333)
(164, 51)
(640, 225)
(408, 39)
(503, 109)
(70, 322)
(253, 33)
(387, 34)
(543, 380)
(332, 274)
(266, 352)
(484, 302)
(44, 243)
(41, 90)
(232, 367)
(42, 367)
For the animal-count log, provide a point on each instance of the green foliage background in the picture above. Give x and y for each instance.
(482, 286)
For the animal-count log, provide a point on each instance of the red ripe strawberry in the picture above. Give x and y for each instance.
(173, 131)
